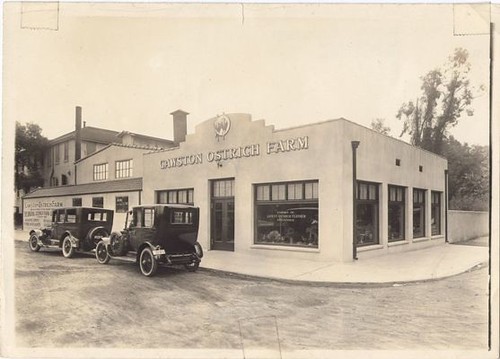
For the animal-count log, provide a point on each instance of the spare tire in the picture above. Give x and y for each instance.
(118, 244)
(96, 235)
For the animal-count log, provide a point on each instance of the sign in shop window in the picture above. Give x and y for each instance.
(288, 221)
(122, 204)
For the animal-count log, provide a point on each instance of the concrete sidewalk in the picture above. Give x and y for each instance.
(423, 264)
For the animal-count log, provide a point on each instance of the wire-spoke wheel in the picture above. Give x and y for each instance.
(147, 262)
(101, 253)
(33, 242)
(67, 248)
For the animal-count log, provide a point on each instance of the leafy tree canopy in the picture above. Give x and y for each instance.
(446, 94)
(379, 126)
(30, 146)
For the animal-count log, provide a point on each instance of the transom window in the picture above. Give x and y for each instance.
(180, 196)
(124, 169)
(223, 188)
(101, 172)
(287, 191)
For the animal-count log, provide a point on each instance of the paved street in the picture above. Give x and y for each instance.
(79, 303)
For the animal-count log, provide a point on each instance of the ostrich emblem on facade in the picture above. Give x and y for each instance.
(222, 125)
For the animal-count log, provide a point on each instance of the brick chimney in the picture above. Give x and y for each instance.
(180, 125)
(78, 133)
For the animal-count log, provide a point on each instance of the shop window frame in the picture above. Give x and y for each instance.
(272, 200)
(176, 192)
(422, 205)
(402, 205)
(436, 208)
(375, 202)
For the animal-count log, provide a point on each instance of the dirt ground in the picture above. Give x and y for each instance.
(79, 303)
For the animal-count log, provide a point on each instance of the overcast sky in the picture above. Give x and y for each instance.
(130, 66)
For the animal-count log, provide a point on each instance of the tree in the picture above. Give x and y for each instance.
(378, 125)
(29, 149)
(468, 175)
(446, 94)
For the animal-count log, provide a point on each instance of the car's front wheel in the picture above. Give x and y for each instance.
(67, 248)
(33, 243)
(101, 253)
(147, 262)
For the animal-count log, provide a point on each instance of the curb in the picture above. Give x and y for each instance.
(243, 276)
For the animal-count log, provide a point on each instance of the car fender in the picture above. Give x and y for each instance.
(141, 247)
(75, 242)
(36, 232)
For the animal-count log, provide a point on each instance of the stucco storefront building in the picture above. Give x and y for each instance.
(292, 192)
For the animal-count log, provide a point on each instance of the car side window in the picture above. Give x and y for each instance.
(60, 216)
(137, 221)
(181, 217)
(71, 216)
(149, 215)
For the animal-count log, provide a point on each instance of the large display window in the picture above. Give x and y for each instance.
(435, 213)
(396, 214)
(418, 213)
(287, 214)
(367, 213)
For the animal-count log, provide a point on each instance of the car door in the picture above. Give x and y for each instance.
(57, 223)
(141, 228)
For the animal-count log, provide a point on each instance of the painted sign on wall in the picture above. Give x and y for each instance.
(274, 147)
(38, 213)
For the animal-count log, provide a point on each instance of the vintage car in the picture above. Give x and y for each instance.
(73, 229)
(155, 235)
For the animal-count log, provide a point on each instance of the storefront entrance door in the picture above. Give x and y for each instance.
(222, 215)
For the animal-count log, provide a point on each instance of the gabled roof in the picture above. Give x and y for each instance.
(144, 149)
(126, 185)
(90, 134)
(146, 137)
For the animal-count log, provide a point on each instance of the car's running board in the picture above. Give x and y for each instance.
(127, 258)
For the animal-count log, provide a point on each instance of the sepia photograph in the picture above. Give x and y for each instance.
(249, 180)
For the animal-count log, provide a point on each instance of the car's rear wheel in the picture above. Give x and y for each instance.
(67, 248)
(147, 262)
(192, 267)
(101, 253)
(33, 243)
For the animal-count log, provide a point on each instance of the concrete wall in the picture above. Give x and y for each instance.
(65, 167)
(376, 162)
(326, 159)
(464, 225)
